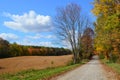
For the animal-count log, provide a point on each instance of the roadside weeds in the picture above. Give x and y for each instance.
(110, 72)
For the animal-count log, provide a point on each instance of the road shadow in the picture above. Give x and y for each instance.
(94, 60)
(95, 57)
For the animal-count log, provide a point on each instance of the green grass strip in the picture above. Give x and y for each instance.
(37, 74)
(114, 66)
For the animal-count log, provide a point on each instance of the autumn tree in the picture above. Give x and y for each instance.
(87, 42)
(107, 27)
(4, 48)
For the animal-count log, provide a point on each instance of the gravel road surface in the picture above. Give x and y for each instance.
(93, 70)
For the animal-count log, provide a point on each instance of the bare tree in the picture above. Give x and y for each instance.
(70, 26)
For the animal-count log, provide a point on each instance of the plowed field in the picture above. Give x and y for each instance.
(16, 64)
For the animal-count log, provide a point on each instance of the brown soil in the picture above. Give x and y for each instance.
(15, 64)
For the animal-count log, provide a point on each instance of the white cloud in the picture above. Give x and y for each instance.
(66, 44)
(50, 36)
(36, 43)
(29, 22)
(48, 44)
(38, 36)
(8, 36)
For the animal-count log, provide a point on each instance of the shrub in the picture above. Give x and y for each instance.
(101, 56)
(113, 58)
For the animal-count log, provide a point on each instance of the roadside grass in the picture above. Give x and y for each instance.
(114, 66)
(38, 74)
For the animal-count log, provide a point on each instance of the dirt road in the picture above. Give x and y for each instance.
(93, 70)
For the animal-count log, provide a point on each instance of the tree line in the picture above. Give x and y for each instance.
(107, 29)
(13, 50)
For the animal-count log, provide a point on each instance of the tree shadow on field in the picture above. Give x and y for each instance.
(2, 67)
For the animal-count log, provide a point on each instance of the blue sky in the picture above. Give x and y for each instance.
(29, 22)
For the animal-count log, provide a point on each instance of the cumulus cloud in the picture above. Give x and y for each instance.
(48, 44)
(38, 36)
(50, 36)
(36, 43)
(8, 36)
(29, 22)
(66, 44)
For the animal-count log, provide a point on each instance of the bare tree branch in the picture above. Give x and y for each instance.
(70, 26)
